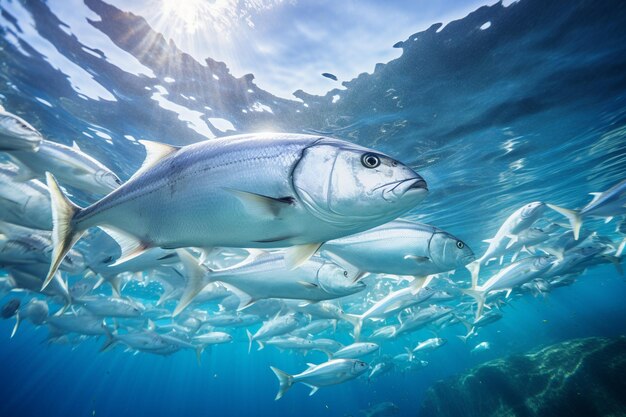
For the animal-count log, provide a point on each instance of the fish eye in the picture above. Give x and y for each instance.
(345, 274)
(460, 244)
(369, 160)
(107, 260)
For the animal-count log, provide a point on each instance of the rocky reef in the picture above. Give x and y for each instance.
(581, 377)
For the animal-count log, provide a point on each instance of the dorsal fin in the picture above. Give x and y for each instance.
(75, 146)
(155, 151)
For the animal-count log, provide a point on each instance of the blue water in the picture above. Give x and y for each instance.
(531, 108)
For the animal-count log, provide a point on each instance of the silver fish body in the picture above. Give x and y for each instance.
(288, 190)
(402, 247)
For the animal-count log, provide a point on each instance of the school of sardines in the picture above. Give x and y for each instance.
(288, 239)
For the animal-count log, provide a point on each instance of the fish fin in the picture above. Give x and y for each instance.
(616, 261)
(313, 389)
(130, 246)
(285, 382)
(508, 293)
(513, 240)
(573, 216)
(479, 296)
(515, 255)
(76, 147)
(205, 253)
(261, 205)
(417, 258)
(155, 151)
(64, 236)
(608, 219)
(249, 340)
(620, 248)
(467, 324)
(261, 345)
(199, 350)
(17, 324)
(110, 338)
(357, 323)
(245, 299)
(308, 284)
(197, 279)
(151, 326)
(297, 255)
(474, 269)
(310, 365)
(595, 195)
(410, 353)
(488, 240)
(116, 285)
(501, 260)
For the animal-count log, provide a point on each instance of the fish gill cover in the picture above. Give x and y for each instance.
(507, 106)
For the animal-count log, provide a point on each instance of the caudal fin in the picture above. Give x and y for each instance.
(474, 269)
(574, 217)
(357, 323)
(250, 338)
(284, 379)
(479, 296)
(197, 279)
(64, 235)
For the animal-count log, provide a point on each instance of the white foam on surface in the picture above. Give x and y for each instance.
(221, 124)
(81, 81)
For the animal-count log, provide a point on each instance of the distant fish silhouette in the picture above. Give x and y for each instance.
(329, 75)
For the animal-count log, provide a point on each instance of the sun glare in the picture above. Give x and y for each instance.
(186, 13)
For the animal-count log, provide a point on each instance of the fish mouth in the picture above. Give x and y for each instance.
(419, 184)
(398, 189)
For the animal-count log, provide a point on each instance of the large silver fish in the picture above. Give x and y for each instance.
(260, 190)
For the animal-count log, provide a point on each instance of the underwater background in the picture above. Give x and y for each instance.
(509, 104)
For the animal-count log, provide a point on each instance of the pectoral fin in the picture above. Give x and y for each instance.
(313, 389)
(297, 255)
(417, 258)
(307, 284)
(262, 205)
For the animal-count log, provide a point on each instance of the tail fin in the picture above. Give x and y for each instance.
(17, 323)
(250, 337)
(63, 233)
(199, 350)
(110, 338)
(474, 269)
(196, 280)
(357, 323)
(616, 262)
(479, 296)
(284, 379)
(573, 216)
